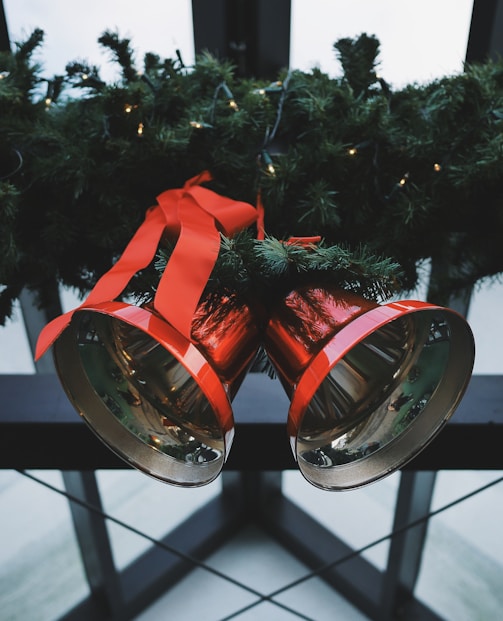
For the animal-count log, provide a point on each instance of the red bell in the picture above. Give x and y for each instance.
(159, 401)
(370, 385)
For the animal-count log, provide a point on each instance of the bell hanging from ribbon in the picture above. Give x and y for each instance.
(158, 400)
(370, 385)
(155, 382)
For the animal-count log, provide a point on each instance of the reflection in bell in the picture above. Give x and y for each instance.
(160, 402)
(370, 385)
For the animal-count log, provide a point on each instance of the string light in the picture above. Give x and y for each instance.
(267, 161)
(139, 131)
(230, 96)
(404, 180)
(437, 167)
(200, 125)
(84, 76)
(274, 87)
(355, 149)
(48, 102)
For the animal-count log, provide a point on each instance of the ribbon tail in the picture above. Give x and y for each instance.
(189, 268)
(260, 217)
(231, 216)
(50, 333)
(138, 254)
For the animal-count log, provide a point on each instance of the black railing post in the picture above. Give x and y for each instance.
(254, 34)
(94, 544)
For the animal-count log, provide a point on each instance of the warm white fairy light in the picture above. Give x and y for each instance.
(140, 129)
(269, 166)
(437, 167)
(352, 151)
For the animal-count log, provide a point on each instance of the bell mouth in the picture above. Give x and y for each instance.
(146, 392)
(379, 392)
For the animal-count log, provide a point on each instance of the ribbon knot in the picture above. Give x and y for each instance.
(196, 216)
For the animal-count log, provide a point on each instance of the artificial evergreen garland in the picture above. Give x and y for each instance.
(386, 178)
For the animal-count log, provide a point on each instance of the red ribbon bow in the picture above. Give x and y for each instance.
(197, 215)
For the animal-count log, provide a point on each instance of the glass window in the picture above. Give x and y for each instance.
(148, 505)
(16, 355)
(36, 532)
(462, 565)
(419, 40)
(346, 514)
(484, 317)
(72, 31)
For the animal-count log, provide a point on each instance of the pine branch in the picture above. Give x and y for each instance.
(122, 52)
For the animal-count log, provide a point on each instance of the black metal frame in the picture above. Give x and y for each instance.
(254, 34)
(35, 408)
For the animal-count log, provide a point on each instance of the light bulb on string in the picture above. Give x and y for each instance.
(403, 180)
(200, 125)
(437, 167)
(275, 87)
(140, 130)
(398, 186)
(356, 148)
(230, 99)
(266, 160)
(230, 96)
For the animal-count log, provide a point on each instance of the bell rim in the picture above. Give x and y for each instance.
(184, 351)
(333, 351)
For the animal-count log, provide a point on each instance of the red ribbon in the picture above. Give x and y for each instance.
(306, 242)
(198, 216)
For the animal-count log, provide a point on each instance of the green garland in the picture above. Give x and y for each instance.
(387, 178)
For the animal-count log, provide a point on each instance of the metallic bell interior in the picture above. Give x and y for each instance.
(370, 385)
